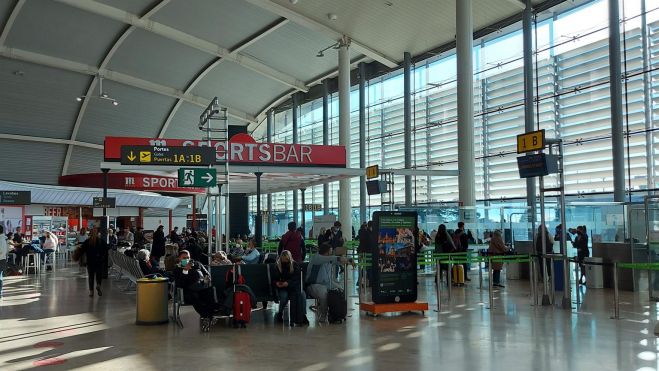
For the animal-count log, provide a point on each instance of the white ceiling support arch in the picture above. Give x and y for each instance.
(333, 34)
(94, 83)
(29, 138)
(11, 20)
(186, 39)
(242, 45)
(122, 78)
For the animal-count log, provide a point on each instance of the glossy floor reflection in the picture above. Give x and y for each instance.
(49, 322)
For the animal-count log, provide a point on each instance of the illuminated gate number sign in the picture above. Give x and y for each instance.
(172, 156)
(533, 141)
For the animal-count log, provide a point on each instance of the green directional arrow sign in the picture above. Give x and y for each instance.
(197, 177)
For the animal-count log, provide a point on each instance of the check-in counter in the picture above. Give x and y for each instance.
(620, 252)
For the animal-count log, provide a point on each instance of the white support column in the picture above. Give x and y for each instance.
(345, 209)
(464, 50)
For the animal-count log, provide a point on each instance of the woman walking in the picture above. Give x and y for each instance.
(96, 252)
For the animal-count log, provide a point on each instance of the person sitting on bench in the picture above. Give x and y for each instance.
(194, 279)
(319, 277)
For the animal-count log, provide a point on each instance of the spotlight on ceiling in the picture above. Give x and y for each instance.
(101, 94)
(320, 54)
(293, 1)
(332, 17)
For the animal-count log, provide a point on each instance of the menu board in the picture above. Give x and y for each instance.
(394, 257)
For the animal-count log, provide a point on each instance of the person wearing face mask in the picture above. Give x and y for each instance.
(287, 283)
(193, 278)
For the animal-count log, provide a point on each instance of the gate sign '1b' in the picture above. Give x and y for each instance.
(197, 177)
(168, 156)
(533, 141)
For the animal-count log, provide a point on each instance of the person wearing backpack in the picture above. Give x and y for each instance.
(292, 241)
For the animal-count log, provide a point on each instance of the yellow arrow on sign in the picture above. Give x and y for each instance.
(131, 156)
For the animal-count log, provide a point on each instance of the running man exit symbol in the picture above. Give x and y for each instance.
(188, 177)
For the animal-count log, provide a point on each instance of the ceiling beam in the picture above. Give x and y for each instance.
(29, 138)
(333, 34)
(94, 83)
(64, 64)
(235, 50)
(10, 21)
(181, 37)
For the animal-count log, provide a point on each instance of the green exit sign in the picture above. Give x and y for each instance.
(197, 177)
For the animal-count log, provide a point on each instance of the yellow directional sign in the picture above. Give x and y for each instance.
(532, 141)
(171, 156)
(131, 156)
(372, 172)
(145, 156)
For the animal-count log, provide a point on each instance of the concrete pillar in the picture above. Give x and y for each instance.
(326, 192)
(529, 114)
(345, 209)
(465, 90)
(407, 124)
(615, 73)
(258, 222)
(295, 113)
(362, 141)
(270, 122)
(647, 89)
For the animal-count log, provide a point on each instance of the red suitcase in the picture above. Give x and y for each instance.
(242, 309)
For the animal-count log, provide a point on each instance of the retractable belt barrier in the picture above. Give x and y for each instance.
(616, 297)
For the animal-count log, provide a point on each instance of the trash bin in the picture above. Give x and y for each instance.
(152, 300)
(513, 271)
(594, 273)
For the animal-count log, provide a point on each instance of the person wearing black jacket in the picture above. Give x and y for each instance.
(192, 278)
(287, 282)
(159, 240)
(96, 252)
(581, 244)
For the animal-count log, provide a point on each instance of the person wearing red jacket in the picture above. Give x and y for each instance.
(292, 241)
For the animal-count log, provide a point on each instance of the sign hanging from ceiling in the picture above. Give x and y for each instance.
(129, 181)
(242, 149)
(105, 202)
(15, 197)
(197, 177)
(531, 141)
(167, 156)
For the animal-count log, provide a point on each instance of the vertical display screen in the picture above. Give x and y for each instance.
(394, 257)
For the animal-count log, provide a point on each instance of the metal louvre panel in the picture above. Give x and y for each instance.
(85, 160)
(225, 22)
(139, 114)
(40, 102)
(142, 54)
(32, 162)
(58, 30)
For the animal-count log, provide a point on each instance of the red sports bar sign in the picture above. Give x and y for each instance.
(129, 181)
(243, 149)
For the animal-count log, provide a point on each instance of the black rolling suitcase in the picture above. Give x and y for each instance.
(337, 307)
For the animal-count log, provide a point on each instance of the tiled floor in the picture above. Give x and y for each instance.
(50, 323)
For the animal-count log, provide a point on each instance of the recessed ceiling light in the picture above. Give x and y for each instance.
(332, 17)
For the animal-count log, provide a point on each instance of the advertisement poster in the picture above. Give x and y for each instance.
(395, 257)
(11, 217)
